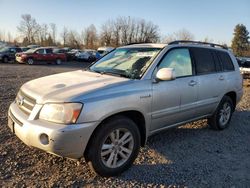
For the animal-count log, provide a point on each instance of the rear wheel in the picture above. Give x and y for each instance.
(114, 146)
(5, 59)
(58, 61)
(222, 116)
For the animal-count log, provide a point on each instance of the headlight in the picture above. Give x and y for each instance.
(65, 113)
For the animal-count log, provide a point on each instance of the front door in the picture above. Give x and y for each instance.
(41, 55)
(174, 101)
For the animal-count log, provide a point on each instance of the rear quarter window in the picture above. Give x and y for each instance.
(226, 61)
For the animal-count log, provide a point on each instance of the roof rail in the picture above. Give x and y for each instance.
(132, 43)
(197, 42)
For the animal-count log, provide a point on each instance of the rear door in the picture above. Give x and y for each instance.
(174, 101)
(49, 55)
(211, 80)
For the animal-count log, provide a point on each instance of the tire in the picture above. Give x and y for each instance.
(116, 157)
(58, 61)
(5, 59)
(30, 61)
(89, 59)
(222, 116)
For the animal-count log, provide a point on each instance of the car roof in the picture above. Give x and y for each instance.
(107, 48)
(146, 45)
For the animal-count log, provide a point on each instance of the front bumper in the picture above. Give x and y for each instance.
(20, 60)
(63, 140)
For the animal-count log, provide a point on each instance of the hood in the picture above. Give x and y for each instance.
(64, 87)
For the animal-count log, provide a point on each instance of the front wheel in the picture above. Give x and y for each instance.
(30, 61)
(114, 146)
(222, 116)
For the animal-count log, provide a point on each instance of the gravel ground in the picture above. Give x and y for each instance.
(192, 155)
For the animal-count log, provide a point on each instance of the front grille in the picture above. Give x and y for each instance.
(25, 102)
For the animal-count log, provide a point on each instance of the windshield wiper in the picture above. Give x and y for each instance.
(112, 73)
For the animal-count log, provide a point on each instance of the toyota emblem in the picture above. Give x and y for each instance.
(20, 101)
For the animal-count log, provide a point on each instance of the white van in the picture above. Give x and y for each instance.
(104, 50)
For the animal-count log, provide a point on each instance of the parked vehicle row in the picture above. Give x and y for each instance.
(35, 53)
(244, 64)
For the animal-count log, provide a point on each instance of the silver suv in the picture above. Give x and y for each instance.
(107, 111)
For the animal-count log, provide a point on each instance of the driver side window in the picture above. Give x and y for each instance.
(179, 59)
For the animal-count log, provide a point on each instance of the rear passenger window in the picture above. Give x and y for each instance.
(204, 62)
(49, 51)
(226, 61)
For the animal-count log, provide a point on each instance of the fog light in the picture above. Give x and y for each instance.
(44, 139)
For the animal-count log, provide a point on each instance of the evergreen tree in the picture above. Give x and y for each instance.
(240, 43)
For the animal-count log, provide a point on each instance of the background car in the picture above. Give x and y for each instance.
(87, 55)
(64, 51)
(104, 50)
(8, 53)
(24, 49)
(40, 55)
(33, 46)
(71, 54)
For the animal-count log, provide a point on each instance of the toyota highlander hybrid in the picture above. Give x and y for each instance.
(106, 112)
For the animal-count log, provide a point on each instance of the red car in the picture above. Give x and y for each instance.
(39, 55)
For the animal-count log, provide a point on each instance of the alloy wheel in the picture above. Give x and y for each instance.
(117, 148)
(225, 113)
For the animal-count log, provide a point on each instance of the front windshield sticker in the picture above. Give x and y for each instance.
(146, 54)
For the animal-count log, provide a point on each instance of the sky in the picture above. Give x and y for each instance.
(212, 19)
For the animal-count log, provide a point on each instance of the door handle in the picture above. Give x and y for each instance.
(192, 83)
(221, 77)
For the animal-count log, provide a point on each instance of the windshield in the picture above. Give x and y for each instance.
(126, 62)
(31, 50)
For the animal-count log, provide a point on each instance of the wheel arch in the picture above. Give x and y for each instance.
(134, 115)
(233, 96)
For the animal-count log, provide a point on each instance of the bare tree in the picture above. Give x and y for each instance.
(106, 33)
(73, 39)
(206, 39)
(2, 35)
(126, 30)
(10, 38)
(53, 32)
(90, 37)
(64, 35)
(28, 28)
(182, 34)
(43, 34)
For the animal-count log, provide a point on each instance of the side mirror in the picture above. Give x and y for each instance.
(165, 74)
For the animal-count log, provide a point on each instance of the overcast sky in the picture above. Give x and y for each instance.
(214, 19)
